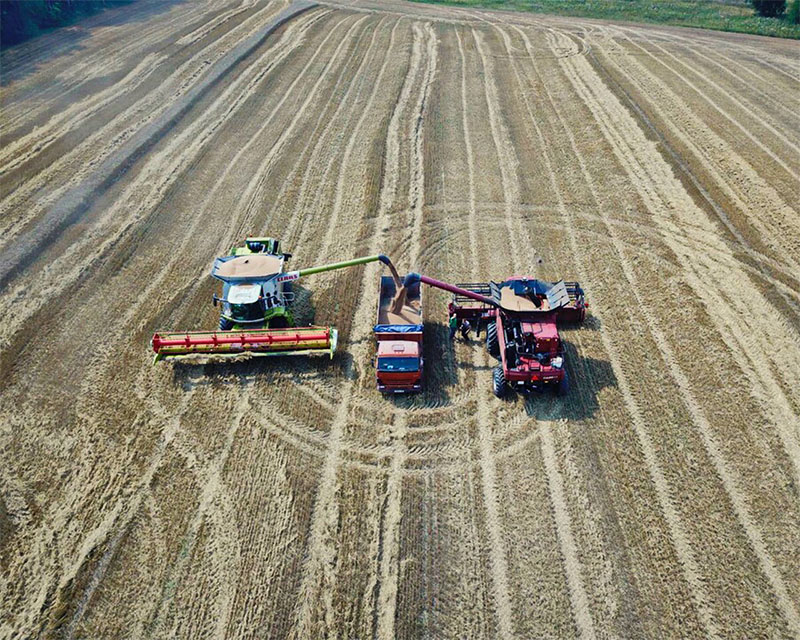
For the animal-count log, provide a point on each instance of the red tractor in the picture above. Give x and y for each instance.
(520, 316)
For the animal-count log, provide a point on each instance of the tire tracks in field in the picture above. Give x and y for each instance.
(168, 438)
(115, 134)
(68, 73)
(64, 122)
(207, 27)
(230, 232)
(42, 136)
(693, 48)
(180, 152)
(315, 143)
(15, 153)
(357, 85)
(112, 527)
(316, 184)
(211, 489)
(740, 335)
(759, 59)
(319, 577)
(74, 204)
(333, 222)
(508, 162)
(416, 194)
(679, 536)
(572, 565)
(765, 264)
(389, 540)
(762, 119)
(610, 115)
(718, 157)
(497, 551)
(201, 217)
(252, 195)
(267, 538)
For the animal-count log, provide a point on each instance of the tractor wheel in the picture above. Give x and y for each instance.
(278, 322)
(499, 381)
(563, 386)
(225, 324)
(492, 344)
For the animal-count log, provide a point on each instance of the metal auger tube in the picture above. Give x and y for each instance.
(295, 275)
(411, 278)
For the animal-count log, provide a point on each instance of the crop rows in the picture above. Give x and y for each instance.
(287, 498)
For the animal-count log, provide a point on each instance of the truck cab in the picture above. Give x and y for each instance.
(398, 366)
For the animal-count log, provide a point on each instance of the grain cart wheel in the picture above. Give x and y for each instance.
(563, 386)
(499, 381)
(225, 324)
(492, 345)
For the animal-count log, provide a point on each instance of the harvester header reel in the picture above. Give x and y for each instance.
(257, 342)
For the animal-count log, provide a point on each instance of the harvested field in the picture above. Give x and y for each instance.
(660, 167)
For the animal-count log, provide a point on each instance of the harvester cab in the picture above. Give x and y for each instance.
(252, 295)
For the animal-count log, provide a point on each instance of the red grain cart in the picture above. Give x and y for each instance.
(521, 317)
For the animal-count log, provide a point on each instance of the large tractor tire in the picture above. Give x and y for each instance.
(563, 386)
(492, 344)
(225, 324)
(499, 381)
(279, 322)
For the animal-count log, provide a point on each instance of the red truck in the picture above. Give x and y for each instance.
(398, 332)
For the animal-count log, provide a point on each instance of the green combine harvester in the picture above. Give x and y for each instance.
(255, 308)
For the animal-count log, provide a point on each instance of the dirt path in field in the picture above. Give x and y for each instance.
(287, 498)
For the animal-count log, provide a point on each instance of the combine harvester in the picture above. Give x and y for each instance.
(521, 317)
(255, 315)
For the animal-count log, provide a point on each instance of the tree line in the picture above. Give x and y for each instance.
(777, 9)
(23, 19)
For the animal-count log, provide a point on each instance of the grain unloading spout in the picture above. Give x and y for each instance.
(411, 278)
(259, 342)
(296, 275)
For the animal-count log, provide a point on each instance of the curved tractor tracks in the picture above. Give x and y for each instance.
(287, 498)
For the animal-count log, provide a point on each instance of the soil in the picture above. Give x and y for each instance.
(285, 497)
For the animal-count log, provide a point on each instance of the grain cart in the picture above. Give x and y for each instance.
(256, 315)
(398, 332)
(521, 317)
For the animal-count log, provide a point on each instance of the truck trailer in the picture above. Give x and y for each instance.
(398, 333)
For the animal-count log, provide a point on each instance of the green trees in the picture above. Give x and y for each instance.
(23, 19)
(794, 12)
(770, 8)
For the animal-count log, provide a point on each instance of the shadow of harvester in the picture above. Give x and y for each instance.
(587, 377)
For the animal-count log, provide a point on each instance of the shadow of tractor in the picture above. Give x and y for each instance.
(587, 378)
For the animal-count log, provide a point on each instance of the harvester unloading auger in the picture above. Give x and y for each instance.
(256, 315)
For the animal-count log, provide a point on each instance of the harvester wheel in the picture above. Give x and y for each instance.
(225, 324)
(278, 322)
(499, 381)
(563, 386)
(492, 345)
